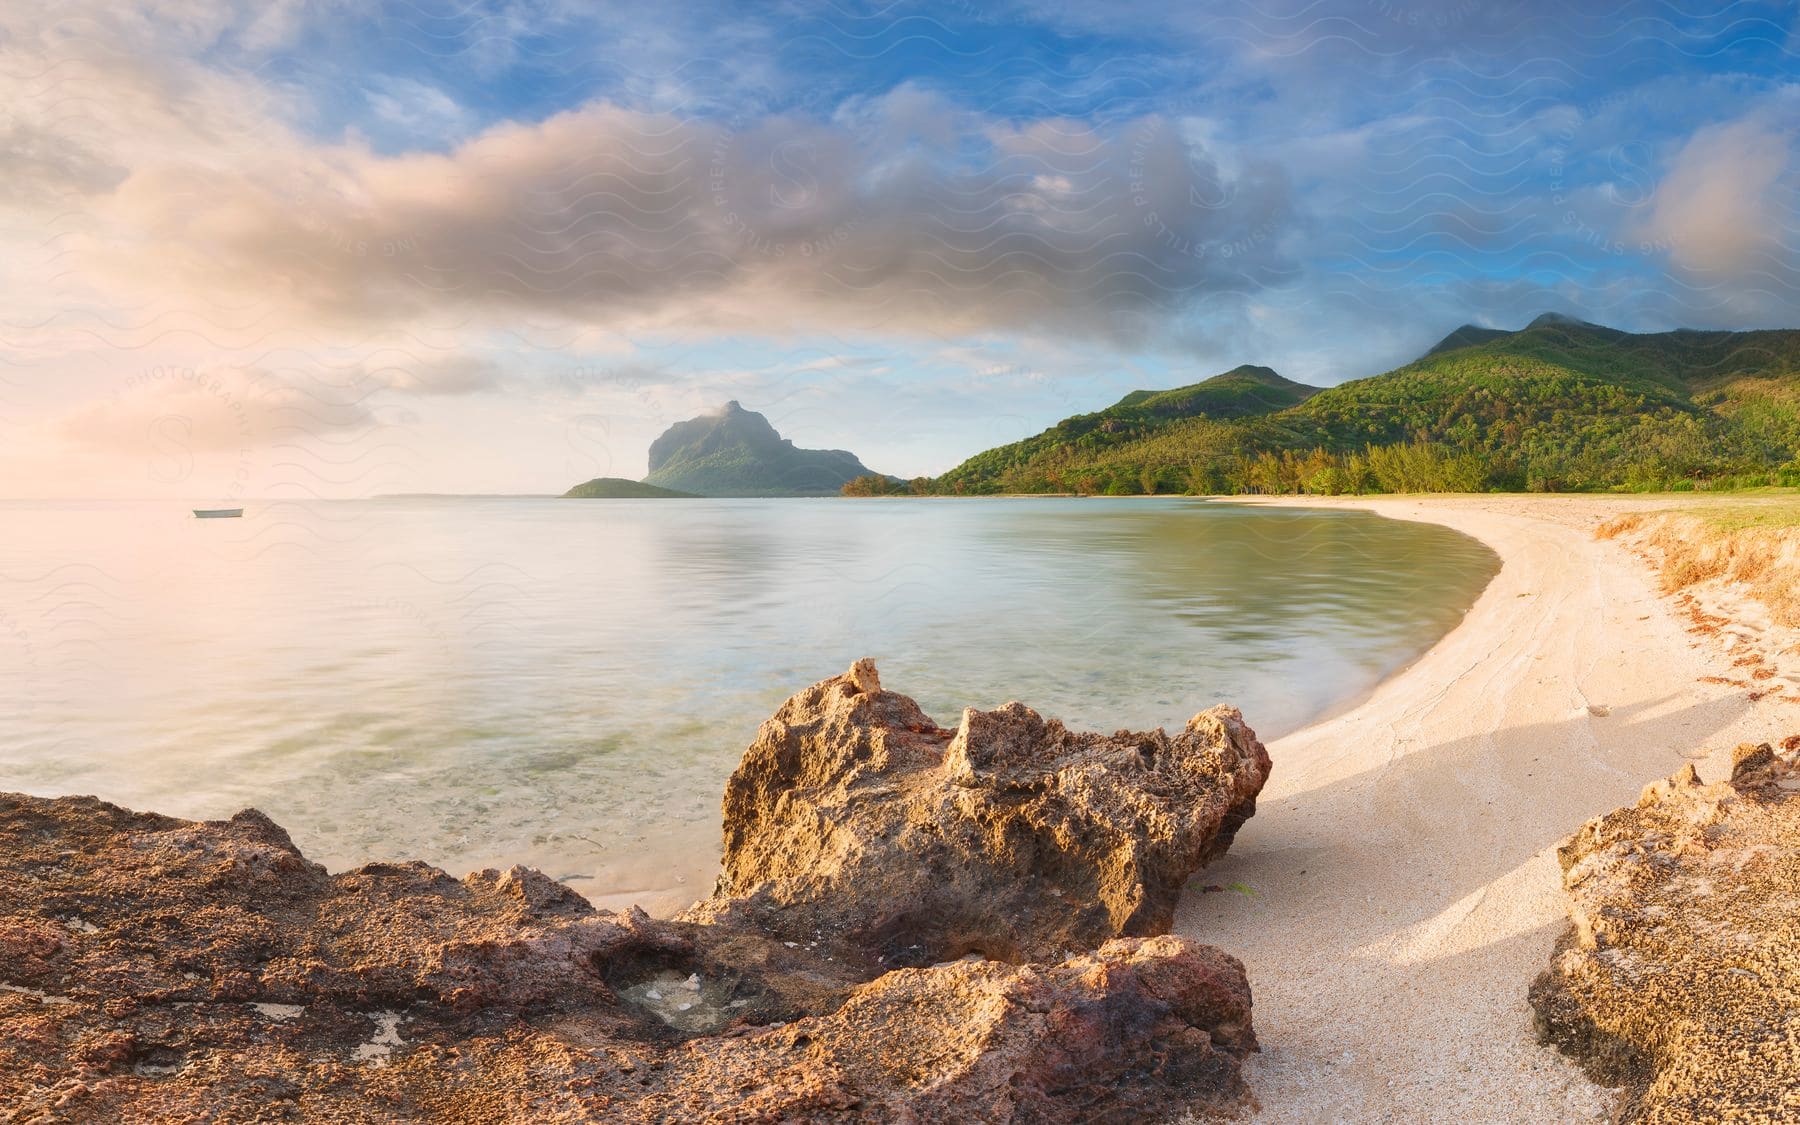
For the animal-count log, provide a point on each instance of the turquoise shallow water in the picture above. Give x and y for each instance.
(477, 681)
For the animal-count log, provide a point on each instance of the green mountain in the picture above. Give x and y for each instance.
(1126, 425)
(618, 488)
(1467, 336)
(735, 452)
(1239, 393)
(1558, 405)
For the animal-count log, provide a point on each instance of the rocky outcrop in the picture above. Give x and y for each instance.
(1139, 1028)
(161, 969)
(1679, 978)
(736, 452)
(854, 816)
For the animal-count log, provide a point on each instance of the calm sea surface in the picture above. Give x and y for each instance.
(477, 682)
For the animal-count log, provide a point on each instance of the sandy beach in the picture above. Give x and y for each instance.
(1402, 859)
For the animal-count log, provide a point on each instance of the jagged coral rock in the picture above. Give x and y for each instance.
(1137, 1028)
(1680, 976)
(854, 815)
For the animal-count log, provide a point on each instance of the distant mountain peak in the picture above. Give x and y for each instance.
(1467, 336)
(1474, 335)
(1248, 388)
(1560, 320)
(1253, 371)
(732, 451)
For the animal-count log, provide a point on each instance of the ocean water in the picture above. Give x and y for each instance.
(482, 681)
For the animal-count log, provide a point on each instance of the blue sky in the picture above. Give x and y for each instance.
(496, 247)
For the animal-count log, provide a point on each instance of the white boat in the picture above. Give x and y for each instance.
(217, 513)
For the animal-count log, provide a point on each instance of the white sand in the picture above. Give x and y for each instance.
(1402, 855)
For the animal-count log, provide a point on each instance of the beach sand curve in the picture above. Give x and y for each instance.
(1402, 885)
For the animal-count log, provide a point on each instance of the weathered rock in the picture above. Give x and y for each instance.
(1680, 976)
(1138, 1028)
(161, 969)
(854, 816)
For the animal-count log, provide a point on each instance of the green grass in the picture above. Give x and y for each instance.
(1764, 509)
(1751, 540)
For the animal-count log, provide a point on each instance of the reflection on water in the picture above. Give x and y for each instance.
(568, 683)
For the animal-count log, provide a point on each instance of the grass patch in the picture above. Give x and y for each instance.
(1751, 541)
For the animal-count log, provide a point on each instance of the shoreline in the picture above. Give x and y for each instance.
(1402, 855)
(1401, 889)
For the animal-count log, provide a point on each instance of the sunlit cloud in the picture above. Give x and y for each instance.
(1725, 205)
(610, 216)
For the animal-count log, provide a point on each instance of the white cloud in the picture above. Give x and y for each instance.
(421, 109)
(1720, 208)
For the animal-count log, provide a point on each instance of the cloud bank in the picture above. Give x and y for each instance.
(907, 216)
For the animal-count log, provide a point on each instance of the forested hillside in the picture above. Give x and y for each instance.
(1558, 406)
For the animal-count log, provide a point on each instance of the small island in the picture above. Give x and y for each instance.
(619, 488)
(731, 452)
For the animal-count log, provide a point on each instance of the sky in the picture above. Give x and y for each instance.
(323, 248)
